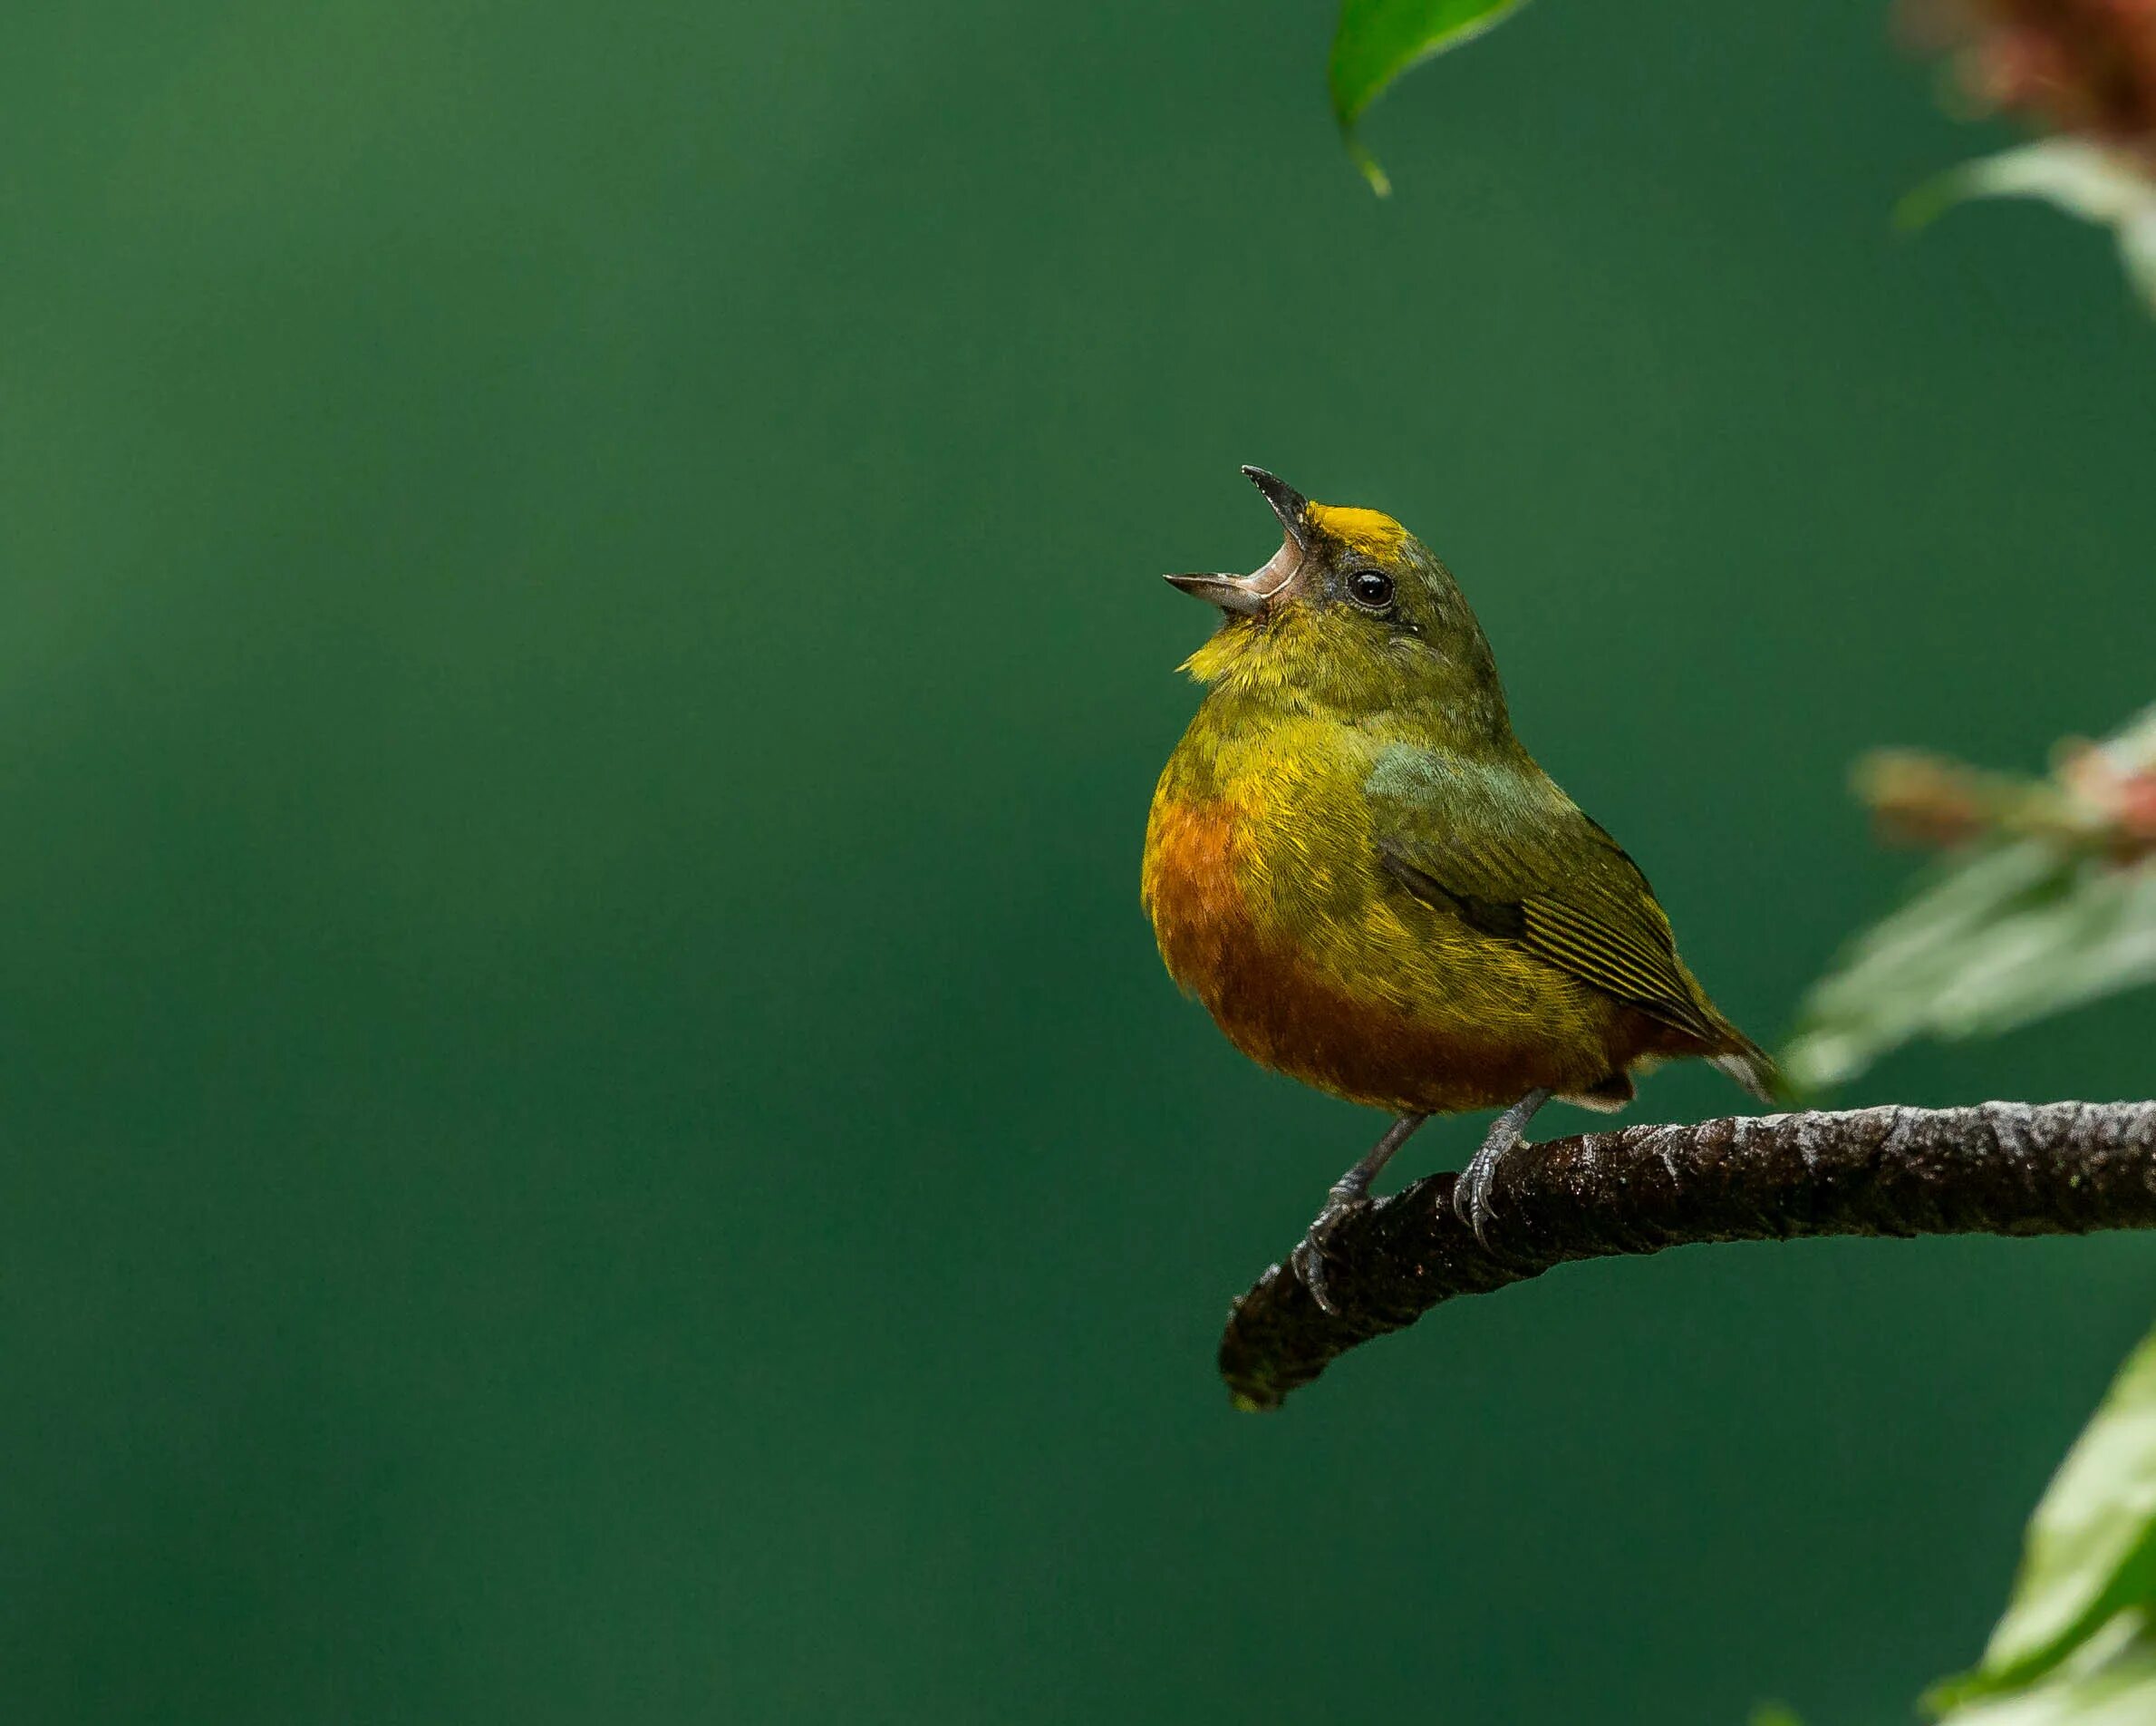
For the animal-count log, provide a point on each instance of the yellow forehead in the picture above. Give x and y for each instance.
(1365, 529)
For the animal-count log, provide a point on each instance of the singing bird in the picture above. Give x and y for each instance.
(1371, 886)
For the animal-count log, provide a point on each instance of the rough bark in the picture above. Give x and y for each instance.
(1998, 1168)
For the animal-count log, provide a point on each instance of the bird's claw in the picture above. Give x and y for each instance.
(1309, 1256)
(1471, 1191)
(1471, 1196)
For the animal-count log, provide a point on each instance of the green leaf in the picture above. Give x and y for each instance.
(2109, 1687)
(1377, 40)
(2083, 178)
(2075, 1628)
(2013, 930)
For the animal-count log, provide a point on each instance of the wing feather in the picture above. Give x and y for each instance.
(1546, 877)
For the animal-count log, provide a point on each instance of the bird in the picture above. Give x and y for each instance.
(1368, 882)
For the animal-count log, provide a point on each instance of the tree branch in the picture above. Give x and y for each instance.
(2000, 1168)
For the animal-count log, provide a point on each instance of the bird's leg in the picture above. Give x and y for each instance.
(1471, 1192)
(1350, 1194)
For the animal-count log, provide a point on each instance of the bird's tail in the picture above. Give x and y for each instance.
(1753, 1068)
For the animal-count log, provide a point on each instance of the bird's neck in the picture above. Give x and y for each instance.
(1257, 675)
(1457, 713)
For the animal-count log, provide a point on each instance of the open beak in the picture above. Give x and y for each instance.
(1248, 596)
(1288, 504)
(1238, 594)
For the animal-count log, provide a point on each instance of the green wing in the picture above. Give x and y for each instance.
(1510, 855)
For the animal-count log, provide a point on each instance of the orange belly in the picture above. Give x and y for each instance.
(1276, 1007)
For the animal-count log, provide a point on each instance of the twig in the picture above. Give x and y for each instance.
(2000, 1168)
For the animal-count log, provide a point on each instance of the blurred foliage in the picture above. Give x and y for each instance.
(2083, 178)
(2050, 902)
(2107, 1685)
(2082, 71)
(1377, 40)
(2077, 1646)
(2078, 1643)
(2075, 68)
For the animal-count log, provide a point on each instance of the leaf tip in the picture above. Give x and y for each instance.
(1379, 181)
(1922, 205)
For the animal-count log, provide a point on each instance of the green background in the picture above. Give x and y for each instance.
(589, 1126)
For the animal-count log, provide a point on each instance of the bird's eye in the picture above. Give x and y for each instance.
(1370, 589)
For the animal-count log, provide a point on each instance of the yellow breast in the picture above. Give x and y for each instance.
(1263, 879)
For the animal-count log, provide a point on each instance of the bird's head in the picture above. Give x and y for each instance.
(1353, 615)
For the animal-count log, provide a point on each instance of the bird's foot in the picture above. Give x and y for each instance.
(1309, 1256)
(1471, 1192)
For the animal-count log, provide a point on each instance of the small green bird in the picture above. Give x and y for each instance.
(1373, 887)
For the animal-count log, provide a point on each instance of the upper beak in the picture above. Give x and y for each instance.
(1246, 595)
(1288, 504)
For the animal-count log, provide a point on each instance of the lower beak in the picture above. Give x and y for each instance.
(1230, 593)
(1247, 595)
